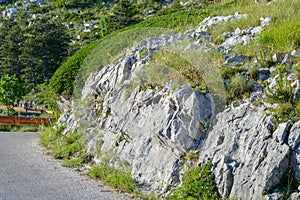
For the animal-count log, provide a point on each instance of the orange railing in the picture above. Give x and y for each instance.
(25, 121)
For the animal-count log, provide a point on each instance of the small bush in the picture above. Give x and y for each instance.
(114, 178)
(198, 183)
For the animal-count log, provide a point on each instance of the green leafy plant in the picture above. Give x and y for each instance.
(197, 183)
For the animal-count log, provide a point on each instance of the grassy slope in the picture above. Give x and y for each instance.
(282, 35)
(63, 79)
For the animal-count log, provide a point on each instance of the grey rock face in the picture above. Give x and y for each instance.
(149, 130)
(248, 158)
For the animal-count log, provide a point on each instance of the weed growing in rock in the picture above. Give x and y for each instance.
(191, 156)
(180, 69)
(253, 72)
(197, 183)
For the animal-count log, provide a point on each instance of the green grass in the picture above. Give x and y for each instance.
(21, 128)
(114, 178)
(283, 95)
(237, 87)
(282, 34)
(61, 146)
(73, 163)
(197, 183)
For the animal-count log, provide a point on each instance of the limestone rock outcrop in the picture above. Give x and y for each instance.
(249, 158)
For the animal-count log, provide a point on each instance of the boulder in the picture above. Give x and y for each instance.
(263, 74)
(235, 59)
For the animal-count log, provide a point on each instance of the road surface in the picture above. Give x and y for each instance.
(26, 172)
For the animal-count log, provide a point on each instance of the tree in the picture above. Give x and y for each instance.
(42, 95)
(44, 49)
(11, 38)
(123, 14)
(11, 91)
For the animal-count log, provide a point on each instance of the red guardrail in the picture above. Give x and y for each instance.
(25, 121)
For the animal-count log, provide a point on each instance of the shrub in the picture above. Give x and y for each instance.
(197, 183)
(62, 81)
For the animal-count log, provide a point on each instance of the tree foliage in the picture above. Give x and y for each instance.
(32, 53)
(11, 39)
(63, 79)
(11, 91)
(42, 95)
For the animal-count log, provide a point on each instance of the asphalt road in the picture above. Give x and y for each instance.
(26, 172)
